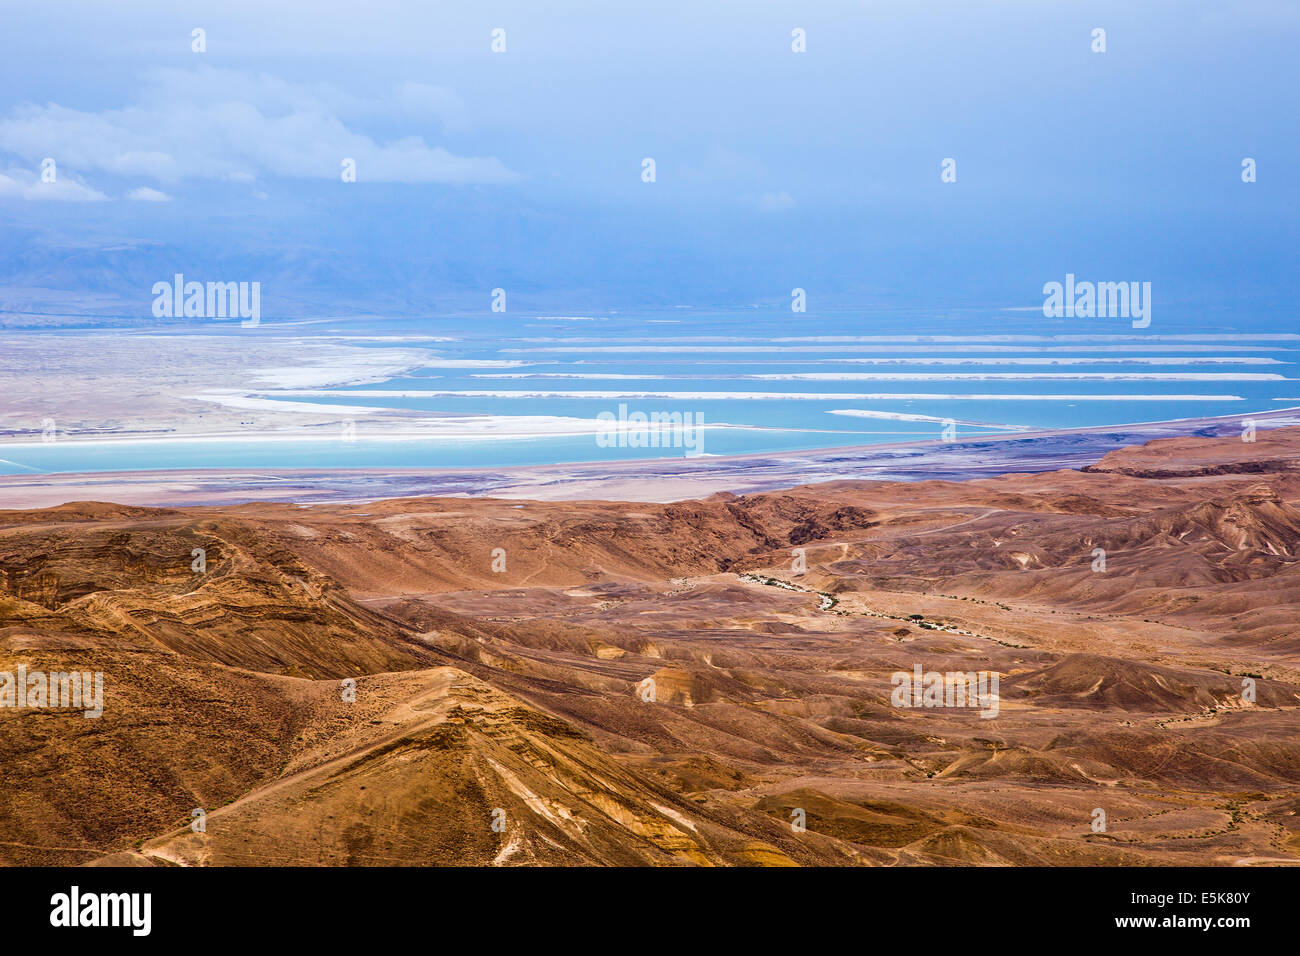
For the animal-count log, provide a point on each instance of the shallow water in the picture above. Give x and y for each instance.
(788, 382)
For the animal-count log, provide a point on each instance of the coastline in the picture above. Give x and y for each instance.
(116, 385)
(652, 480)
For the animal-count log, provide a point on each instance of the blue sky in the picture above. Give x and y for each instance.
(774, 169)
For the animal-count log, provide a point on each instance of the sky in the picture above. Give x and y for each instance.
(774, 169)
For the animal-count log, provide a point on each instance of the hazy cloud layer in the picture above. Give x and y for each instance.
(25, 184)
(223, 124)
(145, 194)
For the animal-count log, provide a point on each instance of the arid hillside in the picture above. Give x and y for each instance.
(480, 681)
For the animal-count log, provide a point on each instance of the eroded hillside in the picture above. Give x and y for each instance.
(442, 681)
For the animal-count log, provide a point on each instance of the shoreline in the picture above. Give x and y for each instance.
(649, 479)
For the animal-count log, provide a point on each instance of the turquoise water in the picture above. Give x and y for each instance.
(781, 378)
(64, 456)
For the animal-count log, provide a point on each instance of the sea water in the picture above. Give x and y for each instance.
(525, 389)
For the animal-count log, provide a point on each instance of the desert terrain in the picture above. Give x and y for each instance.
(500, 652)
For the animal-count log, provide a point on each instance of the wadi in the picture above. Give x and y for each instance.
(709, 681)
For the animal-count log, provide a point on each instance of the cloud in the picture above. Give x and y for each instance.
(145, 194)
(224, 124)
(23, 184)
